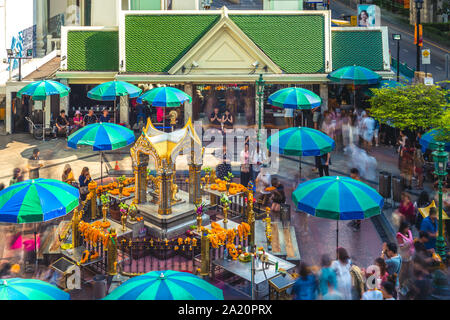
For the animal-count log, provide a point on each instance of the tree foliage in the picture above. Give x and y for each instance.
(411, 107)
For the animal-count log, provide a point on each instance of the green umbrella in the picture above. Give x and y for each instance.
(164, 97)
(338, 198)
(300, 141)
(39, 90)
(295, 98)
(355, 75)
(110, 90)
(30, 289)
(166, 285)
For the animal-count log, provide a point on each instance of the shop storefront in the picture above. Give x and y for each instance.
(216, 57)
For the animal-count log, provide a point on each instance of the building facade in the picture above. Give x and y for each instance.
(216, 56)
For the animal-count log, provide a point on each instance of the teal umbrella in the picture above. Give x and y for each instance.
(164, 97)
(295, 98)
(338, 198)
(39, 90)
(300, 141)
(355, 75)
(109, 91)
(102, 136)
(166, 285)
(30, 289)
(385, 84)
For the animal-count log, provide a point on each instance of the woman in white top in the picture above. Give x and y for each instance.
(342, 268)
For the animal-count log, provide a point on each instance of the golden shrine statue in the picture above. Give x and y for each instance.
(163, 147)
(77, 215)
(112, 253)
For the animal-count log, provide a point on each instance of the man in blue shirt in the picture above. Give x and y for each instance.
(429, 225)
(105, 117)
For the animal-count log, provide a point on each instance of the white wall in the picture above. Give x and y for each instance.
(15, 16)
(185, 4)
(57, 7)
(104, 13)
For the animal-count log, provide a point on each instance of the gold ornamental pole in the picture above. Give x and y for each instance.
(112, 253)
(75, 232)
(165, 192)
(204, 270)
(251, 219)
(92, 187)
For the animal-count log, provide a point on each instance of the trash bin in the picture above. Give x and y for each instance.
(397, 188)
(285, 214)
(99, 291)
(384, 186)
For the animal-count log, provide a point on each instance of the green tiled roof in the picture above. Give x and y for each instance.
(296, 43)
(362, 48)
(92, 51)
(154, 43)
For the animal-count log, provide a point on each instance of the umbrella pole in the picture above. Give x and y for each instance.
(35, 247)
(300, 167)
(43, 122)
(337, 237)
(115, 109)
(101, 168)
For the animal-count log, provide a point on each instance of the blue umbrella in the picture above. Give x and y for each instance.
(30, 289)
(164, 97)
(338, 198)
(109, 91)
(166, 285)
(300, 141)
(428, 140)
(102, 136)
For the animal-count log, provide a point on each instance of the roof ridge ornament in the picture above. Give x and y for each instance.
(224, 12)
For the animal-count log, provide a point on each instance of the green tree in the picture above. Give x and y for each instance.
(411, 107)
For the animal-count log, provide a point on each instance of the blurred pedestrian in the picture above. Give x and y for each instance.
(332, 294)
(422, 202)
(305, 288)
(84, 180)
(327, 275)
(325, 161)
(419, 162)
(355, 224)
(17, 176)
(388, 290)
(343, 277)
(34, 164)
(430, 225)
(407, 164)
(406, 209)
(392, 258)
(278, 195)
(246, 170)
(405, 240)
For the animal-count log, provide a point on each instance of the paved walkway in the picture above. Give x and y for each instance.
(319, 238)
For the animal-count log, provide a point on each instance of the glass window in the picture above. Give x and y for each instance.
(145, 4)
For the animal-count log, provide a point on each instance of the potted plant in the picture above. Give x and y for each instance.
(225, 201)
(121, 180)
(105, 205)
(123, 210)
(228, 179)
(199, 211)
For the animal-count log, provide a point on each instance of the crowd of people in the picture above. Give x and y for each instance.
(406, 270)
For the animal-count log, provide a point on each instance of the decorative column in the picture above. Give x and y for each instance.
(112, 253)
(204, 270)
(188, 89)
(140, 174)
(165, 195)
(251, 219)
(124, 114)
(41, 10)
(195, 195)
(64, 101)
(92, 187)
(324, 96)
(75, 232)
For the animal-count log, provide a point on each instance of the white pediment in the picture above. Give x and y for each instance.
(225, 49)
